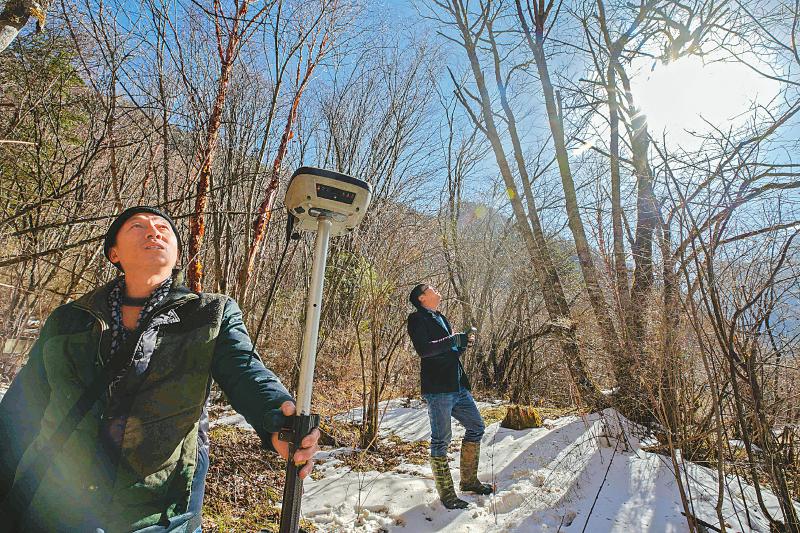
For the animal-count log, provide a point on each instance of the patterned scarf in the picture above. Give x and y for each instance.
(118, 332)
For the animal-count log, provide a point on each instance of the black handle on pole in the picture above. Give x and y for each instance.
(293, 489)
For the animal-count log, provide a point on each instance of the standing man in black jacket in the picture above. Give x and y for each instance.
(445, 388)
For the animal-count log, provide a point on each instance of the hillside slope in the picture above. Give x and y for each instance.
(574, 474)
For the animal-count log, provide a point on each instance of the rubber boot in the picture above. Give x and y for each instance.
(444, 484)
(470, 453)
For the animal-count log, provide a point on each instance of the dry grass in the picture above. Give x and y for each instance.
(390, 453)
(557, 412)
(244, 484)
(491, 415)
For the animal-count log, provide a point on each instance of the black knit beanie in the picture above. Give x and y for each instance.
(111, 234)
(416, 292)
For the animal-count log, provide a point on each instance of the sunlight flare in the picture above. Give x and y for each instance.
(683, 97)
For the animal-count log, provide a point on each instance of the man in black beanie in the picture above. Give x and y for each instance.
(105, 428)
(144, 213)
(446, 389)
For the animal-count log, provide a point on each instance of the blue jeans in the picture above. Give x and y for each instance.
(461, 406)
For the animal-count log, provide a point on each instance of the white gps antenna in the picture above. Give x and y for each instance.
(331, 204)
(315, 194)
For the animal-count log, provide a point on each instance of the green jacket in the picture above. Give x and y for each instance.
(159, 416)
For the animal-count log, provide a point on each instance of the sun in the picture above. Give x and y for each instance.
(688, 96)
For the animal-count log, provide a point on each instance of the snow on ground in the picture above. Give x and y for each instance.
(574, 474)
(231, 418)
(407, 418)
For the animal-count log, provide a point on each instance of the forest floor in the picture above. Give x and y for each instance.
(576, 473)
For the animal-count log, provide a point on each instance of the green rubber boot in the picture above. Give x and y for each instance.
(470, 453)
(444, 484)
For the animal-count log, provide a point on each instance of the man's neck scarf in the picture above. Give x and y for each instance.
(118, 331)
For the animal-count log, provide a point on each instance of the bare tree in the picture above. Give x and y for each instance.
(469, 33)
(232, 31)
(316, 39)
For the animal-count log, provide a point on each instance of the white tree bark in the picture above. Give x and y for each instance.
(16, 14)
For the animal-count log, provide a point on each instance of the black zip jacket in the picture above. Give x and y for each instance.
(439, 363)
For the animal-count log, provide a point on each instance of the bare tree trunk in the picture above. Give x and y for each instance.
(264, 212)
(16, 14)
(647, 213)
(456, 269)
(620, 265)
(591, 276)
(162, 93)
(208, 149)
(551, 288)
(116, 184)
(632, 320)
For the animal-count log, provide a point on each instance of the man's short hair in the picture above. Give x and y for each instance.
(416, 292)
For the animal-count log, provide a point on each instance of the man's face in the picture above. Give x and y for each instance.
(431, 298)
(145, 241)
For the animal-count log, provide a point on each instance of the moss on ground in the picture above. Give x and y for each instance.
(493, 414)
(498, 413)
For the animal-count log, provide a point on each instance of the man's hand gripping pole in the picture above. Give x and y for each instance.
(302, 425)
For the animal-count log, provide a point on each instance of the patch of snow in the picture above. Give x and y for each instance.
(575, 473)
(736, 443)
(232, 419)
(408, 419)
(547, 479)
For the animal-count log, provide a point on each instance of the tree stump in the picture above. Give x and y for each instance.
(521, 417)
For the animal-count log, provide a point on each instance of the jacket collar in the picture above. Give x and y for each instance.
(96, 301)
(431, 314)
(428, 311)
